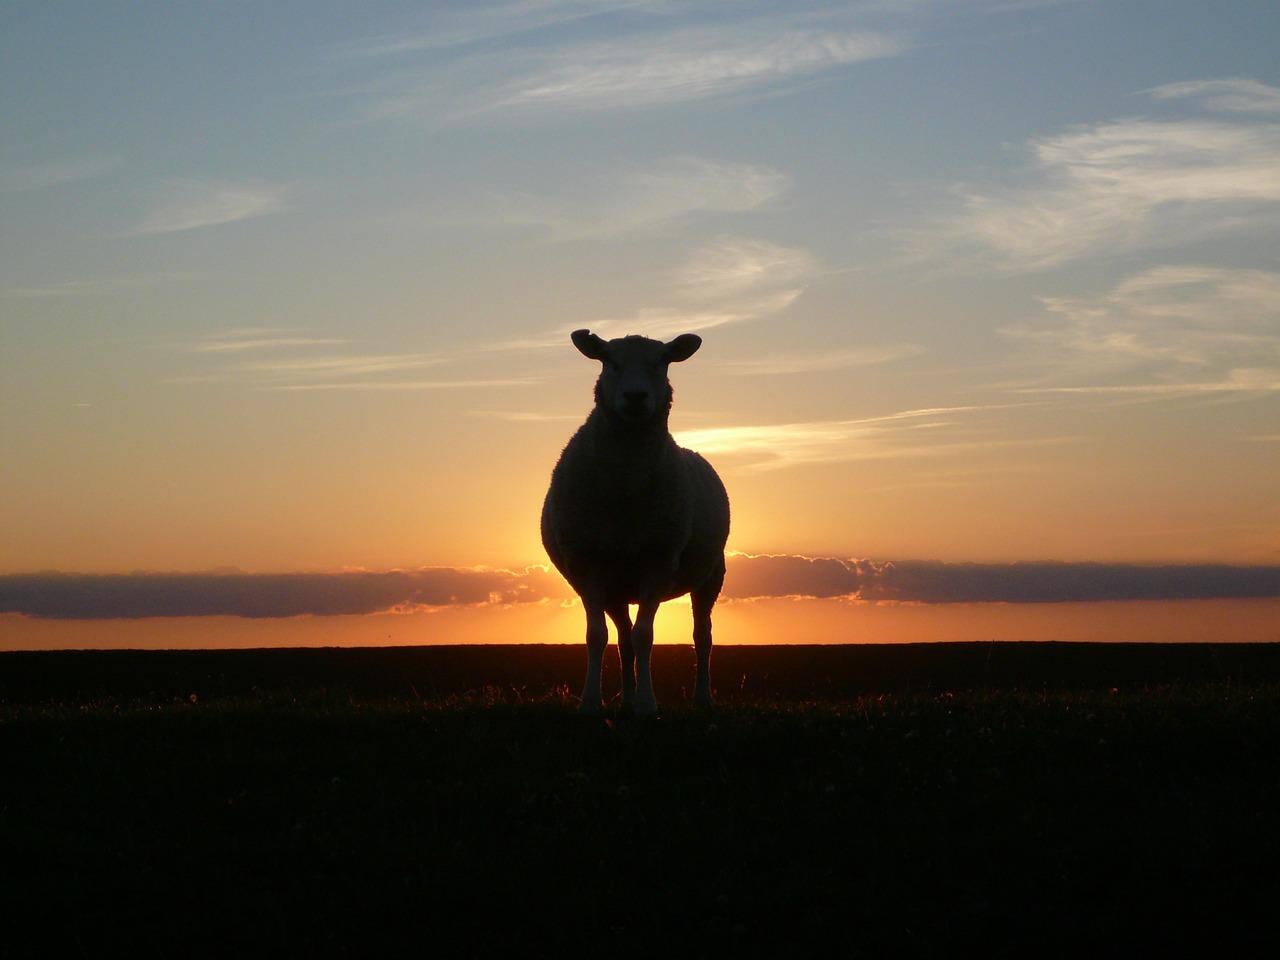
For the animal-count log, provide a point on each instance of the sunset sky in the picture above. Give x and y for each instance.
(286, 288)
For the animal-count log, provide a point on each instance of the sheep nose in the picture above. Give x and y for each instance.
(633, 398)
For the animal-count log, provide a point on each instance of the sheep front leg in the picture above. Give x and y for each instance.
(597, 640)
(621, 618)
(642, 645)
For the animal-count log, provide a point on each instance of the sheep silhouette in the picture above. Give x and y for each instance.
(632, 518)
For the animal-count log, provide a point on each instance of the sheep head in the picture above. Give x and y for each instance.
(633, 387)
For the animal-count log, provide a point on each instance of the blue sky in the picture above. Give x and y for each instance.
(288, 285)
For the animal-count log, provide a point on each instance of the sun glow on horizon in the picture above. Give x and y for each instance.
(779, 621)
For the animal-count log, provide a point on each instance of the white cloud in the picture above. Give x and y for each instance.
(727, 282)
(730, 280)
(283, 358)
(751, 279)
(1117, 186)
(1166, 331)
(927, 432)
(1246, 381)
(527, 416)
(669, 191)
(732, 266)
(1235, 95)
(344, 365)
(262, 343)
(251, 339)
(787, 363)
(474, 23)
(686, 64)
(378, 386)
(656, 54)
(658, 323)
(73, 288)
(53, 173)
(236, 332)
(190, 204)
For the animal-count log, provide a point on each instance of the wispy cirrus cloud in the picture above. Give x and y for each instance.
(658, 323)
(815, 361)
(383, 386)
(727, 282)
(929, 432)
(54, 173)
(657, 54)
(1248, 381)
(181, 205)
(351, 365)
(285, 358)
(283, 361)
(98, 286)
(1168, 331)
(527, 416)
(1126, 185)
(262, 343)
(669, 191)
(687, 64)
(476, 23)
(251, 339)
(758, 278)
(732, 266)
(1236, 95)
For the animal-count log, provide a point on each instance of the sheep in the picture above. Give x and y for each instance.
(632, 518)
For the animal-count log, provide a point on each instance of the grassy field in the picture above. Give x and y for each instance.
(901, 801)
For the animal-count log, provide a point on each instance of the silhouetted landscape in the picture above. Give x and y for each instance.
(913, 800)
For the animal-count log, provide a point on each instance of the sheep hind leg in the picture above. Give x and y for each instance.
(621, 618)
(642, 643)
(597, 640)
(703, 599)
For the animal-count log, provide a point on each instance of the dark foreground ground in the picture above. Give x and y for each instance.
(925, 800)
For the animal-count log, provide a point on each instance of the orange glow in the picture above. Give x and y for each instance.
(737, 622)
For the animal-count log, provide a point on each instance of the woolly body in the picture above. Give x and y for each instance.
(629, 519)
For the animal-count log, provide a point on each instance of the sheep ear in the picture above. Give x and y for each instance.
(589, 345)
(683, 347)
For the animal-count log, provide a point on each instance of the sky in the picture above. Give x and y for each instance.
(989, 292)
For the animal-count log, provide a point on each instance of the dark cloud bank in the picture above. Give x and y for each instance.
(926, 581)
(73, 596)
(131, 595)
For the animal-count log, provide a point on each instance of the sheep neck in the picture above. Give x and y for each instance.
(616, 440)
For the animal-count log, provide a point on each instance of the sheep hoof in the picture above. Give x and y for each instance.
(703, 701)
(644, 709)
